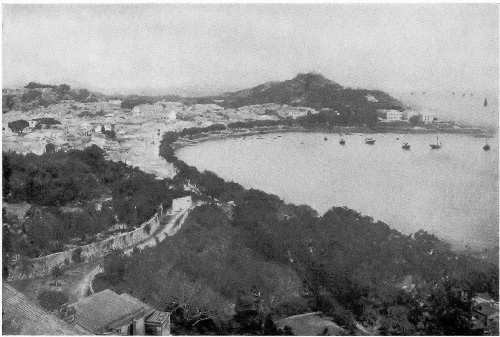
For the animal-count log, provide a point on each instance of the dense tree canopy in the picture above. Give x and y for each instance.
(78, 179)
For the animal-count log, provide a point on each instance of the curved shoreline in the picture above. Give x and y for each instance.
(184, 141)
(194, 139)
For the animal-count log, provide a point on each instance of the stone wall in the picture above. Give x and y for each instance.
(43, 265)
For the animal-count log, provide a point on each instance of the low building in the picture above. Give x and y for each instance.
(428, 118)
(32, 123)
(181, 204)
(392, 115)
(116, 102)
(106, 312)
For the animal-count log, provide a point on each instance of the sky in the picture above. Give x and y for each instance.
(220, 47)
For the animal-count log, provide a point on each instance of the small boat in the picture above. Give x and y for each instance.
(405, 146)
(326, 139)
(435, 146)
(486, 147)
(342, 141)
(485, 103)
(369, 141)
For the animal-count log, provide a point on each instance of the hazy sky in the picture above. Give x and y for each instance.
(132, 47)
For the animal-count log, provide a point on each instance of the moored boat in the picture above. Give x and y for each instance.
(435, 146)
(342, 141)
(406, 146)
(369, 141)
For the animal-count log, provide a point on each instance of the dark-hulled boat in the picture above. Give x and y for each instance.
(406, 146)
(369, 141)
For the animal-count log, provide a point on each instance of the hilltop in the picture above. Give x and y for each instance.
(309, 90)
(34, 95)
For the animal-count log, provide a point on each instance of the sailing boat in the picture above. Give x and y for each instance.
(435, 146)
(485, 104)
(342, 141)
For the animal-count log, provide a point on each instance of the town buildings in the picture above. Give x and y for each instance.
(160, 110)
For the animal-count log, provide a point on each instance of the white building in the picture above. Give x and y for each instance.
(181, 204)
(394, 115)
(158, 110)
(115, 101)
(428, 118)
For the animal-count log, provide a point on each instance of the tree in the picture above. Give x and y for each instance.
(76, 256)
(50, 148)
(52, 300)
(115, 266)
(415, 120)
(18, 125)
(56, 273)
(62, 89)
(36, 85)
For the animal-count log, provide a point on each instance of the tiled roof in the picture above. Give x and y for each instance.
(30, 318)
(158, 317)
(311, 324)
(98, 312)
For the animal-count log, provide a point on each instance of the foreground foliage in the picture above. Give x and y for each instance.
(75, 195)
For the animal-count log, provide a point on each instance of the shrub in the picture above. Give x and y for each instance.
(52, 300)
(18, 125)
(76, 256)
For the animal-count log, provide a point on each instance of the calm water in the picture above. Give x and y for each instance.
(451, 192)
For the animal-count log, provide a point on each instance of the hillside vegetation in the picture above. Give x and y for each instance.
(37, 95)
(74, 195)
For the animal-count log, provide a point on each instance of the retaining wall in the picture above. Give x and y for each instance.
(43, 265)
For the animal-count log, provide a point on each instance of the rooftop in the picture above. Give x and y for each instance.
(107, 309)
(158, 317)
(27, 318)
(311, 324)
